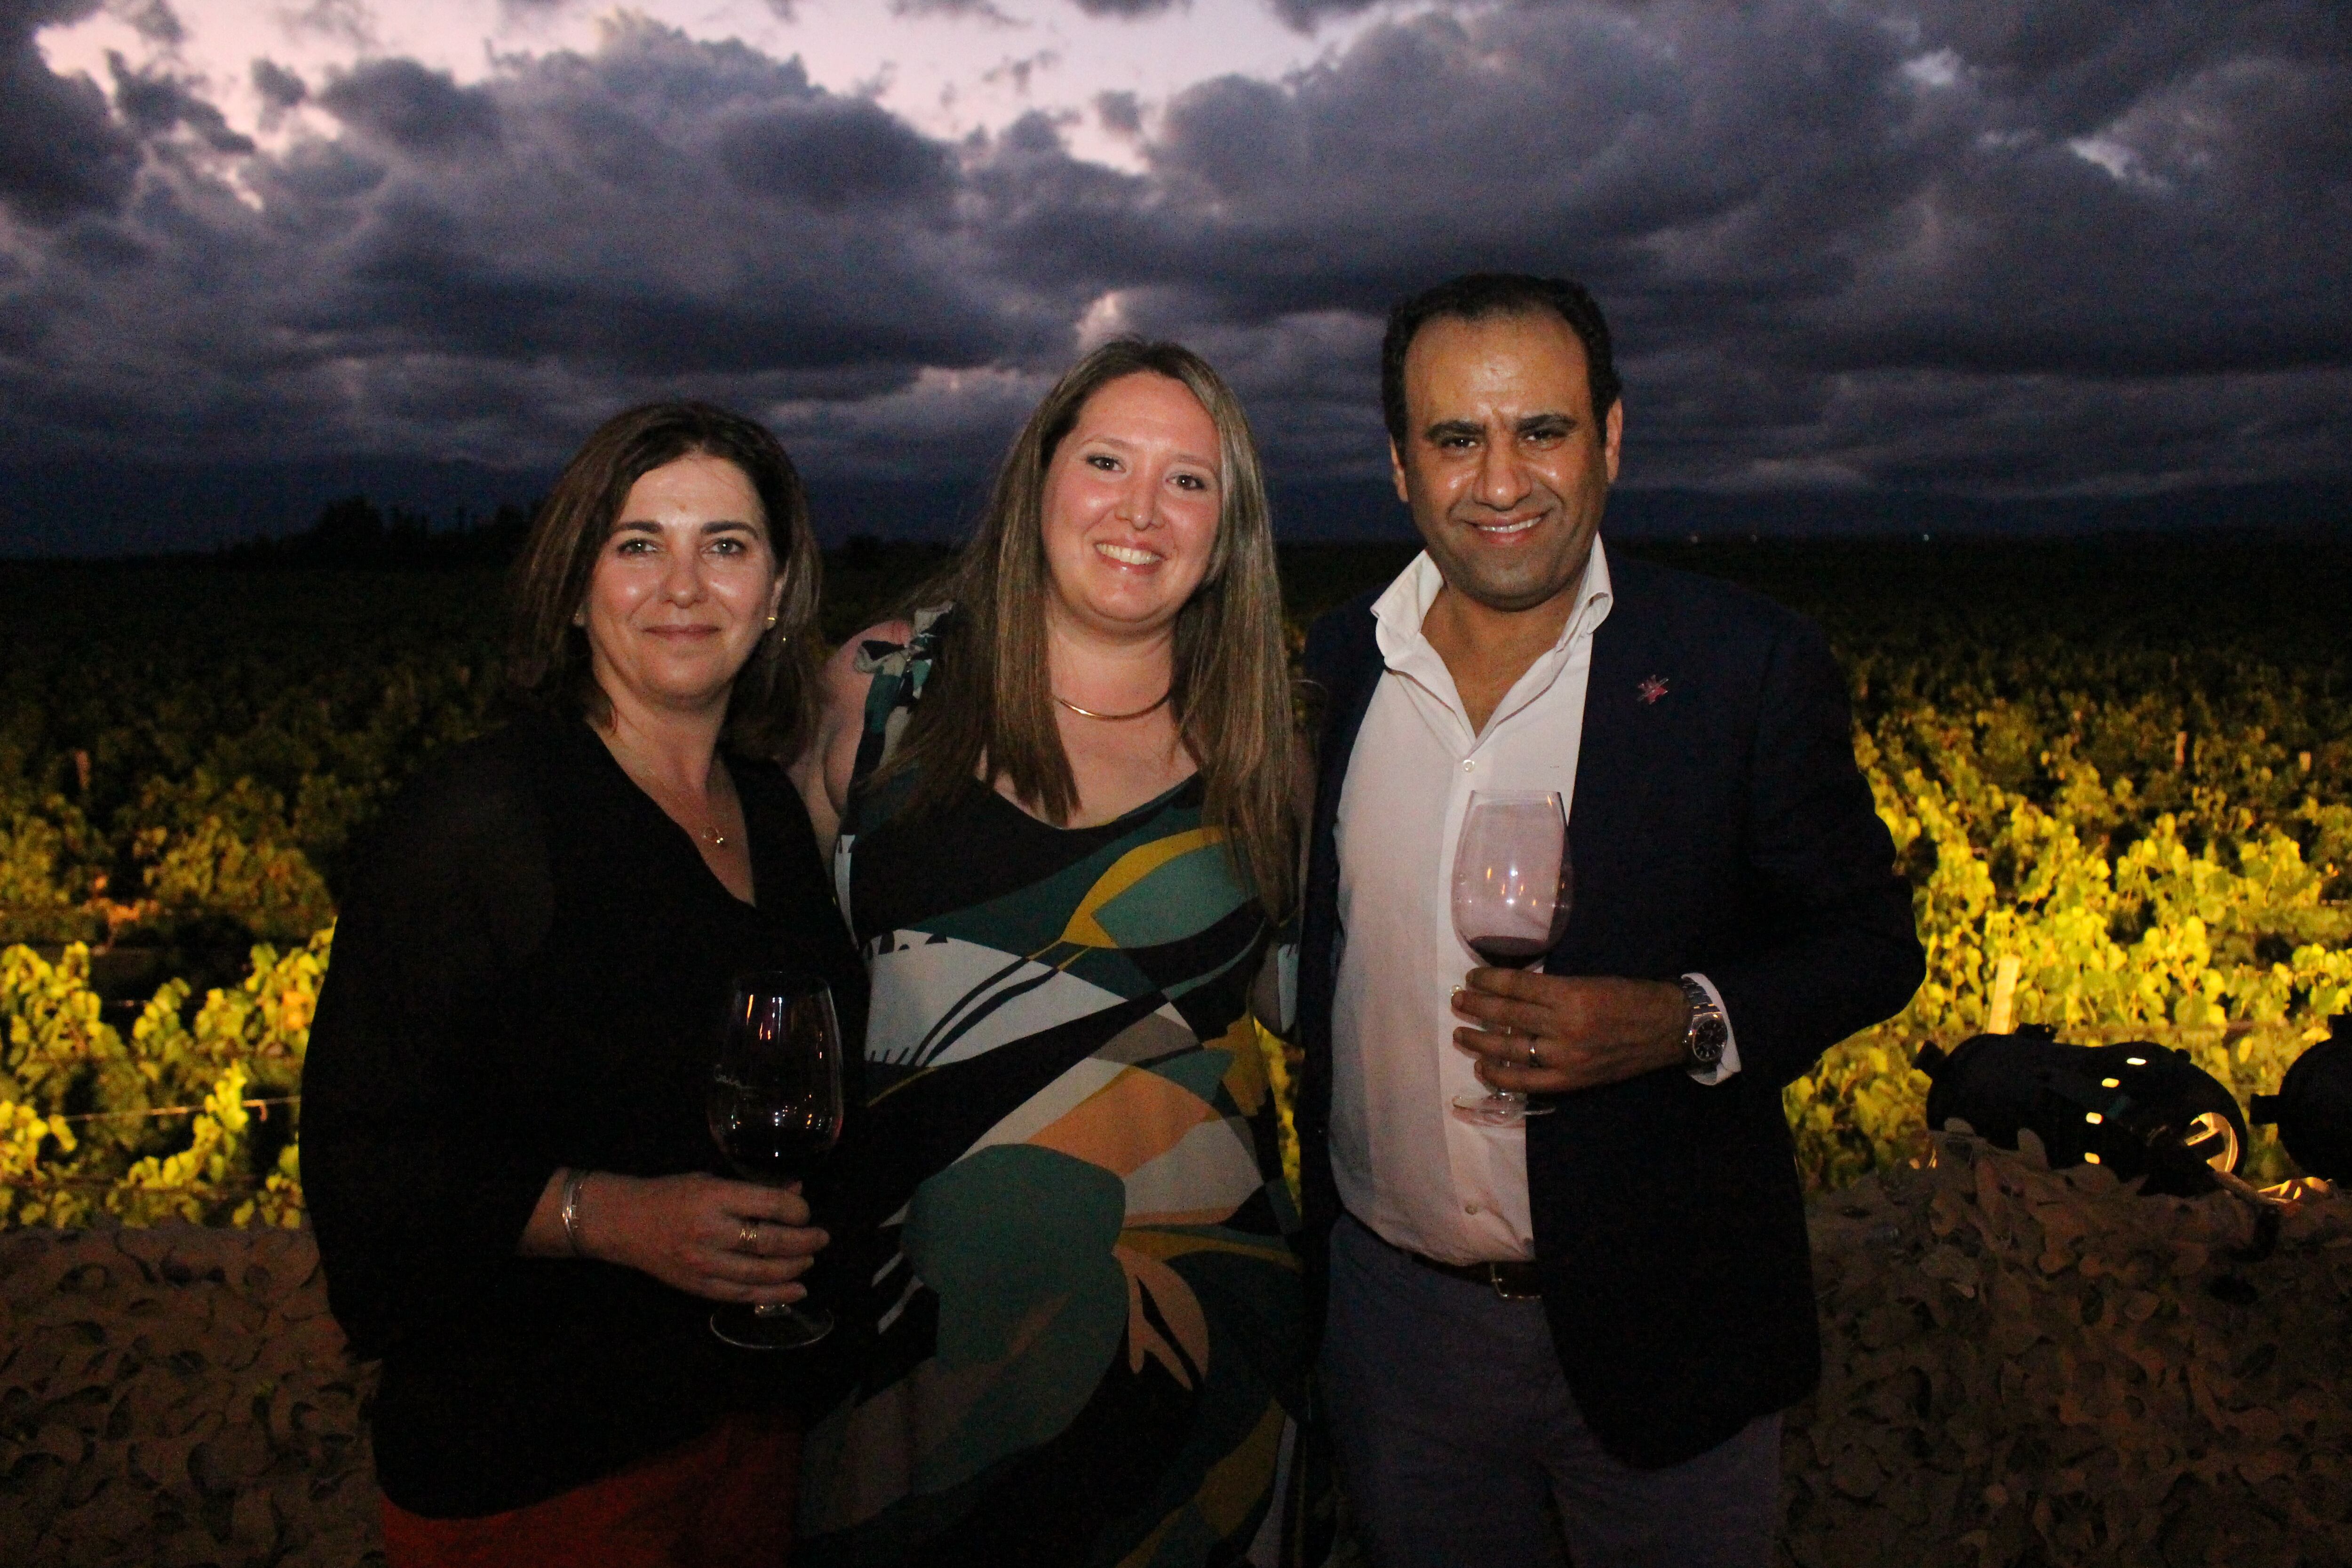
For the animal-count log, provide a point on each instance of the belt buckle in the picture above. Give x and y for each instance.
(1496, 1277)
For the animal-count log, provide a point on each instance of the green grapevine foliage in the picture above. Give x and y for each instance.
(2131, 779)
(169, 1125)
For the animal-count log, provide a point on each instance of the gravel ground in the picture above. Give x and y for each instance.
(2027, 1366)
(178, 1396)
(2021, 1367)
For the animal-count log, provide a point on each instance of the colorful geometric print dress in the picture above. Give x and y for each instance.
(1085, 1338)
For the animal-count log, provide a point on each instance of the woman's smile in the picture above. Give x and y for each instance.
(1128, 554)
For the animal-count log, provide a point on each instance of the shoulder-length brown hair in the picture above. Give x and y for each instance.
(771, 708)
(989, 705)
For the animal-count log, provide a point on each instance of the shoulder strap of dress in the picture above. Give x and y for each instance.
(899, 670)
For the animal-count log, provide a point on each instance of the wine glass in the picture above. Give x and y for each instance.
(775, 1113)
(1511, 889)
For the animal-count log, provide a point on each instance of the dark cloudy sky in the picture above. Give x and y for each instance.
(1976, 247)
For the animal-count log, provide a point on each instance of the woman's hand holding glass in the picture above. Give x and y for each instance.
(711, 1237)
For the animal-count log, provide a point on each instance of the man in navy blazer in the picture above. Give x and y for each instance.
(1607, 1308)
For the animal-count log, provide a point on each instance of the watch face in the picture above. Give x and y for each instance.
(1708, 1033)
(1703, 1046)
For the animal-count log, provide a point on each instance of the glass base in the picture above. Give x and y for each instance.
(1501, 1108)
(784, 1328)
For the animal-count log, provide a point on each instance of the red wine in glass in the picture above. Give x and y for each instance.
(1509, 952)
(775, 1107)
(1511, 893)
(773, 1142)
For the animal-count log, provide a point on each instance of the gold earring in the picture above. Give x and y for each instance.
(772, 620)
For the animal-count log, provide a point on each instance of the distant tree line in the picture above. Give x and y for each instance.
(867, 573)
(354, 532)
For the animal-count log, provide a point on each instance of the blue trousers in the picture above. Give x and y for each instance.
(1452, 1424)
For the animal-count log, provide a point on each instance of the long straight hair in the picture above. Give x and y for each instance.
(771, 708)
(987, 710)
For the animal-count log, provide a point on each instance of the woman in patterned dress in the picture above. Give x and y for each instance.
(1065, 803)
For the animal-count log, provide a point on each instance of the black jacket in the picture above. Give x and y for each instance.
(529, 972)
(1719, 826)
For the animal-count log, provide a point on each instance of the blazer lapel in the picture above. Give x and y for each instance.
(1627, 748)
(1348, 677)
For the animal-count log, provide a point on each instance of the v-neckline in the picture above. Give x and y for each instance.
(685, 835)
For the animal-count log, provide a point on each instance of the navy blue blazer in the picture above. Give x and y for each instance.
(1719, 826)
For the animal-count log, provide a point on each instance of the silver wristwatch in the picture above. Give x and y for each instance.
(1704, 1036)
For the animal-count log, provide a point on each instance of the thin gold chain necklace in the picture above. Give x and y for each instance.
(1152, 707)
(665, 800)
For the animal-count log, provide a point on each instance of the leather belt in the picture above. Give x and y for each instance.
(1516, 1280)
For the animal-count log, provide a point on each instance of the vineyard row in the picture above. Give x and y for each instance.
(2231, 949)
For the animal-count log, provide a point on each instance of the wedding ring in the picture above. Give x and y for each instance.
(1531, 1054)
(748, 1238)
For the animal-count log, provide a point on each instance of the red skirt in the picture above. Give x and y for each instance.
(724, 1500)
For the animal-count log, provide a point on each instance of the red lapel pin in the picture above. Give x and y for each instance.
(1652, 689)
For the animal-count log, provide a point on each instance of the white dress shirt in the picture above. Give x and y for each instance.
(1426, 1178)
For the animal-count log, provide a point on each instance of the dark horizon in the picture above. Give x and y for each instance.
(95, 512)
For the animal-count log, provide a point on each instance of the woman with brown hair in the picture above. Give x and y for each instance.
(504, 1144)
(1066, 835)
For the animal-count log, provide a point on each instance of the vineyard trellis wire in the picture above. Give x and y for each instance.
(2230, 950)
(92, 1125)
(2149, 819)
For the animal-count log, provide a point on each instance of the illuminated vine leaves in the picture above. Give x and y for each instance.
(2024, 1365)
(179, 1116)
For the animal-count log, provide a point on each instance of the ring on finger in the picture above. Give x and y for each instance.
(1531, 1053)
(748, 1238)
(1508, 1031)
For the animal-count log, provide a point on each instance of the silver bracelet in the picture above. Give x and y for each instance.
(570, 1210)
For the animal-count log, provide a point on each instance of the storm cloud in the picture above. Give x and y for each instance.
(1969, 248)
(60, 150)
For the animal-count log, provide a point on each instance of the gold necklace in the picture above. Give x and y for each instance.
(663, 798)
(1152, 707)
